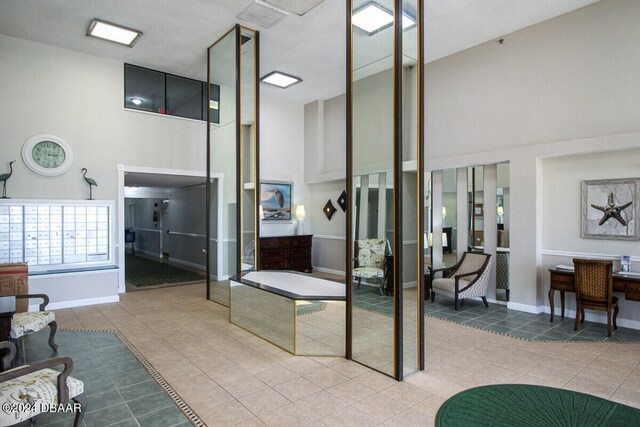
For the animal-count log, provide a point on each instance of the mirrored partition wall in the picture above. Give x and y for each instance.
(461, 215)
(385, 184)
(232, 156)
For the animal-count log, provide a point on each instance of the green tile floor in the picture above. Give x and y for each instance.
(497, 318)
(119, 390)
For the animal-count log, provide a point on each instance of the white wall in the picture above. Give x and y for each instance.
(79, 98)
(563, 87)
(328, 235)
(282, 155)
(562, 211)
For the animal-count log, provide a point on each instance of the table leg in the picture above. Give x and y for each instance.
(551, 305)
(562, 303)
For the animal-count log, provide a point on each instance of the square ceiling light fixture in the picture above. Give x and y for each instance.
(372, 18)
(281, 80)
(113, 33)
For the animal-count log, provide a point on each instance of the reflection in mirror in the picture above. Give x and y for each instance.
(410, 199)
(503, 196)
(428, 235)
(248, 147)
(449, 217)
(476, 207)
(222, 159)
(372, 154)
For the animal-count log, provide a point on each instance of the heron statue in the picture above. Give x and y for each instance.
(4, 178)
(89, 181)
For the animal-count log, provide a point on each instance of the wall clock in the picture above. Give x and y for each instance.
(47, 155)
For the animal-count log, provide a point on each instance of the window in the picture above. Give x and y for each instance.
(158, 92)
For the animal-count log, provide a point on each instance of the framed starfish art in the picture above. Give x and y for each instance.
(610, 209)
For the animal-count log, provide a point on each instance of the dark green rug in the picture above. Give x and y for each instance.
(141, 272)
(121, 386)
(508, 405)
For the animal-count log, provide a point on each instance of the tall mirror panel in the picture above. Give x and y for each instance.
(248, 147)
(411, 190)
(221, 151)
(503, 196)
(476, 207)
(372, 155)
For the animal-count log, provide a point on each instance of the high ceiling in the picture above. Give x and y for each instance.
(312, 46)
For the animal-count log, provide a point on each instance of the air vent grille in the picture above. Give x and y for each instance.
(261, 15)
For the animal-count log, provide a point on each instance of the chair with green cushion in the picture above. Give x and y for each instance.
(38, 386)
(30, 322)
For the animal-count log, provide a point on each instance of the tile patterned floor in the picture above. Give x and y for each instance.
(230, 377)
(118, 388)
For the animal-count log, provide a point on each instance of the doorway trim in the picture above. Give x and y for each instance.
(122, 169)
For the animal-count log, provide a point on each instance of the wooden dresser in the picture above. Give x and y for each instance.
(286, 253)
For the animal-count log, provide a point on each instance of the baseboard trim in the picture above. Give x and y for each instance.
(328, 270)
(77, 303)
(187, 263)
(524, 307)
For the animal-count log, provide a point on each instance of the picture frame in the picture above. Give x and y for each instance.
(275, 199)
(610, 209)
(478, 210)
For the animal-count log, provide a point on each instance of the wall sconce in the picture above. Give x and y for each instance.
(300, 215)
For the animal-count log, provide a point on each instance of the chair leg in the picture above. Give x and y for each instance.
(582, 315)
(609, 323)
(82, 400)
(484, 300)
(381, 283)
(359, 280)
(578, 311)
(615, 316)
(455, 304)
(53, 327)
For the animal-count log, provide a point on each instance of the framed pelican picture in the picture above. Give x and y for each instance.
(610, 209)
(275, 198)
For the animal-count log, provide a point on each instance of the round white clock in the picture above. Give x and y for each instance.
(47, 155)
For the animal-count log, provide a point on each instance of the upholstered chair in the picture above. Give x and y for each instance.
(594, 290)
(30, 322)
(38, 386)
(370, 261)
(469, 278)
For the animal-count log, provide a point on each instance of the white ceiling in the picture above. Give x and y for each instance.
(312, 46)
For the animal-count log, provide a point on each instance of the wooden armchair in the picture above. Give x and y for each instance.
(594, 289)
(30, 322)
(467, 279)
(38, 386)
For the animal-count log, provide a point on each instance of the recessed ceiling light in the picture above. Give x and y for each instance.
(113, 33)
(372, 18)
(136, 101)
(281, 80)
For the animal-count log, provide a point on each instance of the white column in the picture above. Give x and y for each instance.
(436, 194)
(364, 207)
(382, 205)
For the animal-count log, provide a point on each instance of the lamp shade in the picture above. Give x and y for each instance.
(500, 210)
(300, 213)
(444, 211)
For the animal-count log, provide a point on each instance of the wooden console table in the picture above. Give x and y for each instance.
(564, 281)
(286, 253)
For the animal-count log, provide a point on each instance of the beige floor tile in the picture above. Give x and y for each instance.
(276, 375)
(405, 393)
(379, 407)
(349, 417)
(326, 377)
(596, 388)
(206, 399)
(375, 380)
(243, 385)
(320, 404)
(289, 415)
(296, 389)
(227, 414)
(410, 418)
(350, 391)
(263, 401)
